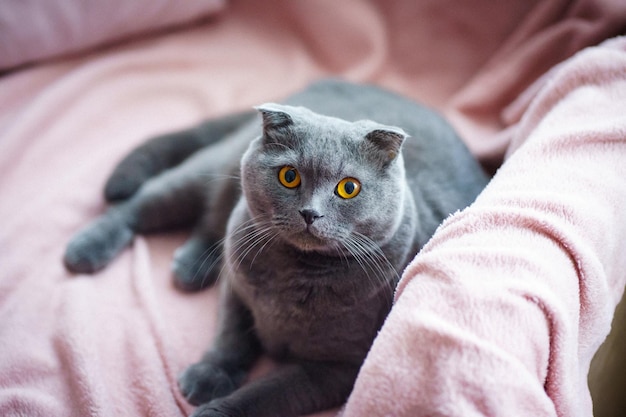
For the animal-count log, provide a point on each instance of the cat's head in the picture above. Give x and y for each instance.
(322, 181)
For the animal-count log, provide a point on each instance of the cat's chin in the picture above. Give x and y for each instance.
(307, 241)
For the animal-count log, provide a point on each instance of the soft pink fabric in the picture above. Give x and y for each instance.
(32, 30)
(503, 310)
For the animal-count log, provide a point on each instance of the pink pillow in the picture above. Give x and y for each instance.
(32, 30)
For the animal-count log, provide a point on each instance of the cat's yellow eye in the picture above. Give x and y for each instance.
(289, 176)
(348, 188)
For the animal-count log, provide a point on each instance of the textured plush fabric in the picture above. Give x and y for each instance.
(499, 315)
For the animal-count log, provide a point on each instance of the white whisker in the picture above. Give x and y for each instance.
(248, 236)
(217, 248)
(269, 240)
(370, 257)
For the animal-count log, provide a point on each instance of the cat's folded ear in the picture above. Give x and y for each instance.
(384, 144)
(276, 120)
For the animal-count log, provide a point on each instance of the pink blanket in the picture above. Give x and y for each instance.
(499, 315)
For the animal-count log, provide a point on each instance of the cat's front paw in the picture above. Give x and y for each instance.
(94, 247)
(205, 381)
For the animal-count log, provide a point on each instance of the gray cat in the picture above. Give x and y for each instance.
(329, 207)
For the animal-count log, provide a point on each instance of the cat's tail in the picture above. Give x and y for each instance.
(166, 151)
(92, 248)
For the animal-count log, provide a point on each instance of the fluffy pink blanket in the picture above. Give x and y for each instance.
(499, 315)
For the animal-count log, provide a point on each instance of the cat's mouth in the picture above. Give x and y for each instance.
(309, 238)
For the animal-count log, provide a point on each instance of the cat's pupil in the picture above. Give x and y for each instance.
(290, 176)
(349, 187)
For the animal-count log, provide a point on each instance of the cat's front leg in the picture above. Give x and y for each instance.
(233, 352)
(295, 389)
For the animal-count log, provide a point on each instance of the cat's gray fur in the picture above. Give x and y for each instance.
(307, 276)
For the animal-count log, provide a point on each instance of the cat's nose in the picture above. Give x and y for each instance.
(310, 215)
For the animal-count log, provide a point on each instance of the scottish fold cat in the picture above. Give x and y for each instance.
(307, 214)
